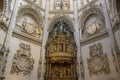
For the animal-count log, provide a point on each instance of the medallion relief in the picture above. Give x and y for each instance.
(93, 25)
(92, 22)
(98, 61)
(22, 60)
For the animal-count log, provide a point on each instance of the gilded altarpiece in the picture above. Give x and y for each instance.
(98, 61)
(61, 54)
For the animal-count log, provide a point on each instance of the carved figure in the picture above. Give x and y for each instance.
(30, 28)
(61, 28)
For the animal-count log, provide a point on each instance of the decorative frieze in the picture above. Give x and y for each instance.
(98, 61)
(22, 60)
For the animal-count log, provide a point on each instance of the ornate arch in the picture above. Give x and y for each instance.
(29, 10)
(91, 11)
(65, 19)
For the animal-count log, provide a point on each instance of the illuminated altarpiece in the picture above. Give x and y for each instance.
(61, 53)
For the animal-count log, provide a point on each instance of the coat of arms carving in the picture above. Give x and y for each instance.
(22, 61)
(98, 62)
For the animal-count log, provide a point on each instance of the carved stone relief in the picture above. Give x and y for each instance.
(28, 25)
(29, 22)
(98, 61)
(22, 61)
(92, 22)
(93, 25)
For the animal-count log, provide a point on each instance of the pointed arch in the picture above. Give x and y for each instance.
(64, 18)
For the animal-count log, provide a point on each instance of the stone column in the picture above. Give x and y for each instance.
(77, 39)
(11, 24)
(45, 36)
(110, 32)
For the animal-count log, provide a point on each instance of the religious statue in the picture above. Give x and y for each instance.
(61, 27)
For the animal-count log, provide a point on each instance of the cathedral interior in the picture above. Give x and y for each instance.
(59, 39)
